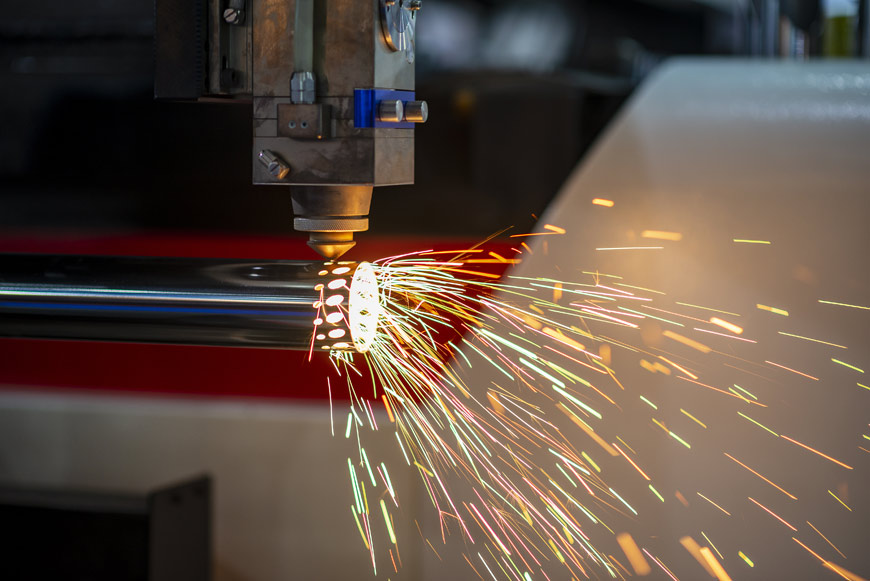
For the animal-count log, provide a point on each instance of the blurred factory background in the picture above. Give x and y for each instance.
(518, 92)
(90, 163)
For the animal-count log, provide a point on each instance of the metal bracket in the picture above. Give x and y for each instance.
(365, 107)
(305, 121)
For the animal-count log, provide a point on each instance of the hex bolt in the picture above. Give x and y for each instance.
(415, 4)
(274, 164)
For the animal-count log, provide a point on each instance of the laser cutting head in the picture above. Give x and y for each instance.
(331, 215)
(334, 105)
(334, 110)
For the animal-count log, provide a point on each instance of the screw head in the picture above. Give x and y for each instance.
(233, 16)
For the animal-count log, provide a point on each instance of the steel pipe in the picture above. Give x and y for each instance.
(238, 303)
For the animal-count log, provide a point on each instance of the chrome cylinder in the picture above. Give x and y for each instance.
(237, 303)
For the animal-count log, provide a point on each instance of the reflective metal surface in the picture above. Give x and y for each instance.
(241, 303)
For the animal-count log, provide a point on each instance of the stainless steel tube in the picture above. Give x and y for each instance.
(244, 303)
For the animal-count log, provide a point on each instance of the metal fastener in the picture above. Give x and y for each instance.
(234, 16)
(416, 111)
(276, 166)
(391, 111)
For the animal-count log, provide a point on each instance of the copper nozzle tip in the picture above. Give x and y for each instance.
(331, 250)
(331, 245)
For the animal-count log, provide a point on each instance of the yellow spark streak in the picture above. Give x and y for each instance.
(702, 424)
(630, 461)
(844, 364)
(387, 520)
(389, 411)
(483, 522)
(359, 526)
(792, 370)
(745, 558)
(840, 501)
(662, 565)
(718, 570)
(662, 235)
(791, 496)
(647, 365)
(737, 396)
(656, 492)
(424, 469)
(633, 248)
(603, 202)
(556, 551)
(591, 461)
(564, 339)
(746, 241)
(726, 325)
(626, 445)
(633, 554)
(649, 290)
(712, 545)
(695, 550)
(621, 566)
(773, 310)
(475, 273)
(726, 336)
(661, 368)
(713, 503)
(576, 401)
(686, 341)
(757, 423)
(589, 431)
(844, 305)
(365, 497)
(557, 292)
(813, 553)
(813, 450)
(844, 573)
(708, 309)
(556, 229)
(681, 368)
(826, 539)
(771, 513)
(463, 251)
(813, 340)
